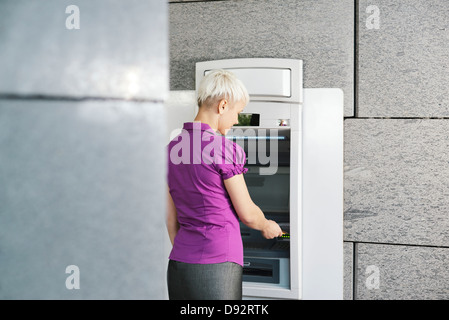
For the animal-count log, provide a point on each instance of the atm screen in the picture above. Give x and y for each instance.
(249, 120)
(270, 192)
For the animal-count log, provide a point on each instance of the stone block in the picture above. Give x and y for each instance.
(397, 181)
(393, 272)
(404, 64)
(318, 32)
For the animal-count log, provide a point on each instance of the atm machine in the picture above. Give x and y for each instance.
(293, 139)
(269, 130)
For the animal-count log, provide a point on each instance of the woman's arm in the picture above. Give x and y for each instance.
(171, 218)
(248, 212)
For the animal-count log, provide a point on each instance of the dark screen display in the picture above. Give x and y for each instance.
(249, 120)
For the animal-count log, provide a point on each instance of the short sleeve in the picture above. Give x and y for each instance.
(232, 161)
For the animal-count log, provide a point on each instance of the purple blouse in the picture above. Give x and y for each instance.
(198, 162)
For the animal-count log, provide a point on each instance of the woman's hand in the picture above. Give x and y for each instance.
(271, 230)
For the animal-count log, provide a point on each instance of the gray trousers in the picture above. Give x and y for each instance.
(217, 281)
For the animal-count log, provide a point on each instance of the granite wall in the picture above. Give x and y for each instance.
(82, 136)
(391, 58)
(396, 158)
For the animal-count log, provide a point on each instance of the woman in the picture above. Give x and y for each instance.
(208, 195)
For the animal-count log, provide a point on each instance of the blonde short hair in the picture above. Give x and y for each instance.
(221, 84)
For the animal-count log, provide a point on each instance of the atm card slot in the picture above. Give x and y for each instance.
(258, 245)
(285, 226)
(281, 245)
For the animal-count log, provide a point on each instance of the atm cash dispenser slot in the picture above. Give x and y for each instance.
(261, 270)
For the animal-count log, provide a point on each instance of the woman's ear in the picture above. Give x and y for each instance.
(222, 105)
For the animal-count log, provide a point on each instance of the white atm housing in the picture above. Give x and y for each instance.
(276, 94)
(313, 119)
